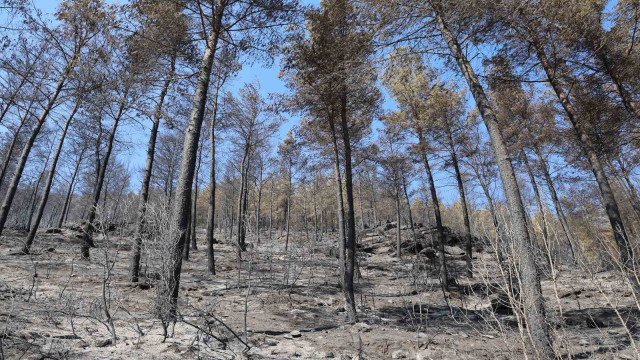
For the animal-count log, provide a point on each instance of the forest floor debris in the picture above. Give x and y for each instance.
(294, 306)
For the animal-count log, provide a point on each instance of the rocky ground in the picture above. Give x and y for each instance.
(52, 304)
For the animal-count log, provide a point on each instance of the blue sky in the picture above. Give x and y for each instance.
(136, 135)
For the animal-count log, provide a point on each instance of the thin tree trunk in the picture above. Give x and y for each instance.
(633, 193)
(34, 197)
(531, 295)
(49, 181)
(13, 186)
(406, 197)
(258, 206)
(182, 201)
(360, 205)
(374, 202)
(242, 202)
(340, 198)
(194, 209)
(536, 193)
(444, 273)
(585, 140)
(304, 216)
(289, 191)
(465, 209)
(211, 212)
(67, 199)
(350, 245)
(492, 211)
(25, 78)
(271, 211)
(315, 211)
(187, 248)
(556, 203)
(398, 232)
(12, 145)
(134, 262)
(66, 216)
(89, 227)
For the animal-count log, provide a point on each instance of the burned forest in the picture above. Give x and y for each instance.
(319, 179)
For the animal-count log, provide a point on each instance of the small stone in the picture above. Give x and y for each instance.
(297, 354)
(453, 250)
(329, 355)
(271, 342)
(364, 327)
(103, 342)
(288, 336)
(295, 334)
(399, 354)
(583, 342)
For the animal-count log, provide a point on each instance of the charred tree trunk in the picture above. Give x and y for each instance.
(187, 248)
(134, 263)
(444, 273)
(340, 198)
(633, 193)
(350, 245)
(556, 204)
(89, 228)
(25, 79)
(465, 209)
(585, 140)
(13, 186)
(194, 208)
(315, 211)
(536, 193)
(12, 145)
(271, 211)
(288, 219)
(396, 195)
(406, 197)
(259, 201)
(211, 212)
(67, 199)
(374, 202)
(531, 295)
(242, 202)
(182, 202)
(49, 181)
